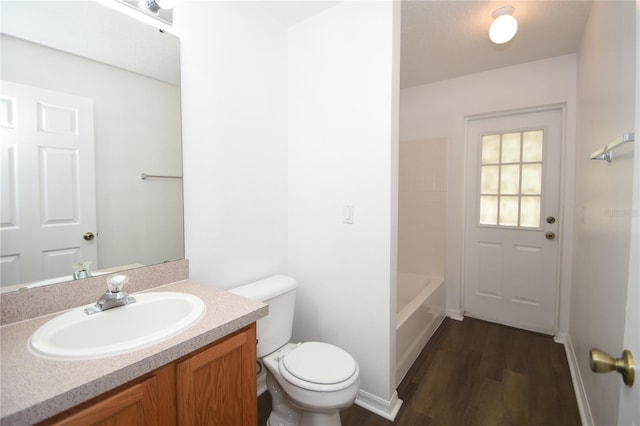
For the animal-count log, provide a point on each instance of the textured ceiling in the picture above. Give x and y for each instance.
(440, 39)
(447, 39)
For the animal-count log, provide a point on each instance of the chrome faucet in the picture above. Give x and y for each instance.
(114, 297)
(81, 270)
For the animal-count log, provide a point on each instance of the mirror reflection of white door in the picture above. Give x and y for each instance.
(48, 183)
(511, 219)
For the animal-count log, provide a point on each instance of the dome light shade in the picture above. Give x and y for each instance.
(504, 27)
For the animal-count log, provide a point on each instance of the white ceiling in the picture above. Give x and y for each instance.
(447, 39)
(90, 30)
(443, 39)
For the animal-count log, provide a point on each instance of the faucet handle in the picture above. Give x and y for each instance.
(116, 283)
(81, 270)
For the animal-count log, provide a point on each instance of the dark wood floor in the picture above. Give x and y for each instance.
(474, 372)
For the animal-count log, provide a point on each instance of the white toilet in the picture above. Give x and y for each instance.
(309, 382)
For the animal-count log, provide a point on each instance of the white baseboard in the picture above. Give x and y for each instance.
(383, 408)
(578, 385)
(386, 409)
(561, 337)
(455, 314)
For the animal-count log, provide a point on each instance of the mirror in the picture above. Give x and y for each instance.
(124, 77)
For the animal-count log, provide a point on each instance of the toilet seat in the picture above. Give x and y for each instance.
(319, 366)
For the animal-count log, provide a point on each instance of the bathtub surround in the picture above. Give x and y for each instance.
(422, 215)
(422, 206)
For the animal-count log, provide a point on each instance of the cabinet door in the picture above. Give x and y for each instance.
(218, 385)
(136, 405)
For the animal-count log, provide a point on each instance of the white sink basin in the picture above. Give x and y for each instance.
(154, 317)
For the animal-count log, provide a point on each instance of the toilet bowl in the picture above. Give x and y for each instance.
(309, 382)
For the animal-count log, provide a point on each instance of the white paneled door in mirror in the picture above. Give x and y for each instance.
(46, 209)
(512, 206)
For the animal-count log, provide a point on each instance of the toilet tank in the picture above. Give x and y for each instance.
(279, 292)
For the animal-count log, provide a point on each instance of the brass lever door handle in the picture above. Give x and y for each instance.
(602, 362)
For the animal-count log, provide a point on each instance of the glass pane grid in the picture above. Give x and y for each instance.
(511, 179)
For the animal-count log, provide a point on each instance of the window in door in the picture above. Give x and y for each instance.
(511, 179)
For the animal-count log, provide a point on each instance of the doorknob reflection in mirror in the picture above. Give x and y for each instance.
(550, 235)
(551, 219)
(602, 362)
(88, 236)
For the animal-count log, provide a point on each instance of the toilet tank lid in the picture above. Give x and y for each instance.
(267, 288)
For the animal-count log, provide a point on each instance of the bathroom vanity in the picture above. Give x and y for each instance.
(206, 372)
(215, 385)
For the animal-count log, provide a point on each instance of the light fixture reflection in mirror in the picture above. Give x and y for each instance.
(158, 9)
(156, 5)
(135, 92)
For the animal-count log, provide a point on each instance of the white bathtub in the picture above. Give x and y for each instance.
(420, 310)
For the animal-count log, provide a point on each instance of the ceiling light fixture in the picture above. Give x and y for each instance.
(504, 26)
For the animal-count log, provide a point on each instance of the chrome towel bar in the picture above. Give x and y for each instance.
(604, 153)
(145, 176)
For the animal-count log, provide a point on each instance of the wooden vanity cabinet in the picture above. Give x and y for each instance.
(215, 385)
(135, 405)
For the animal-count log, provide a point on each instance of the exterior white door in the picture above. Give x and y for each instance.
(48, 183)
(511, 219)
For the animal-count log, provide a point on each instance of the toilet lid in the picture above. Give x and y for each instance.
(321, 363)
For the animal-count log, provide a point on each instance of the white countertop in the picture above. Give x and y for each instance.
(34, 388)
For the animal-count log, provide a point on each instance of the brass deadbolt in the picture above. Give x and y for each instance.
(602, 362)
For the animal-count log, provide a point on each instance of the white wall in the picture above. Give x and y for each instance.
(343, 66)
(134, 116)
(266, 176)
(606, 110)
(438, 110)
(234, 109)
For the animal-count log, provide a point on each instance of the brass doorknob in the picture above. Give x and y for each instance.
(88, 236)
(550, 235)
(602, 362)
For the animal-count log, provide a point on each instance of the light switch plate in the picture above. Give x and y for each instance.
(347, 214)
